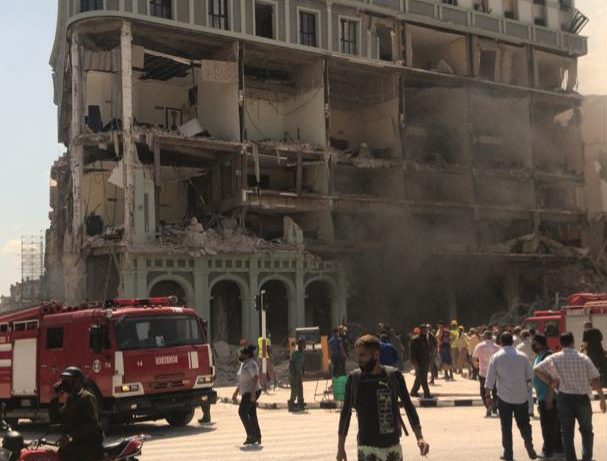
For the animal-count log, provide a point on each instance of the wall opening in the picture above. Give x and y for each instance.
(276, 300)
(319, 306)
(169, 288)
(284, 101)
(102, 278)
(264, 20)
(431, 49)
(226, 312)
(364, 112)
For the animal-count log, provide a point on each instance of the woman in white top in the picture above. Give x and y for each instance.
(250, 390)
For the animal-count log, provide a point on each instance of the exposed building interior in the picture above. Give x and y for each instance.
(419, 172)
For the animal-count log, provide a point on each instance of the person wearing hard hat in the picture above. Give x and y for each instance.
(82, 435)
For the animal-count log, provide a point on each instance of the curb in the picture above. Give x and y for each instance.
(332, 405)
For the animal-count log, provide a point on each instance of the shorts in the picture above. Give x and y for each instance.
(367, 453)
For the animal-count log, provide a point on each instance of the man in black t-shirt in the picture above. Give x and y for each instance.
(374, 392)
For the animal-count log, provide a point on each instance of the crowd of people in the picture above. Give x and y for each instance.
(510, 364)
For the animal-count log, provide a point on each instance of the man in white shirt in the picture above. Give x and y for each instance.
(480, 358)
(574, 375)
(511, 371)
(525, 347)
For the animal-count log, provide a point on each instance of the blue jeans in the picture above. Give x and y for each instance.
(570, 408)
(521, 416)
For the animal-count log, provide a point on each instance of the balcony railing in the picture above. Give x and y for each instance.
(422, 11)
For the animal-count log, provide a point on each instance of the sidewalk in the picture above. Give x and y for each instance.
(461, 392)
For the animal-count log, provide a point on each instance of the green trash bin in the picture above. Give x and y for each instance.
(339, 387)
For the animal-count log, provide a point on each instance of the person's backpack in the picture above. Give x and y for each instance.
(391, 372)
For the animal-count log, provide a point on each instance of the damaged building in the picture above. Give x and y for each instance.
(383, 160)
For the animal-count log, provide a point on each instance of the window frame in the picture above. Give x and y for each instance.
(152, 5)
(274, 4)
(97, 5)
(211, 18)
(55, 328)
(358, 38)
(317, 25)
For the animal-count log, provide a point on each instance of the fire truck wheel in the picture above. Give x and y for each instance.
(181, 419)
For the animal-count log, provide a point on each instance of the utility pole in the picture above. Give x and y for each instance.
(264, 340)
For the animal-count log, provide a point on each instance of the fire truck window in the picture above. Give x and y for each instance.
(4, 328)
(166, 331)
(551, 330)
(54, 338)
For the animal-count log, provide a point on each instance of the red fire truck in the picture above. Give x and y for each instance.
(144, 359)
(580, 308)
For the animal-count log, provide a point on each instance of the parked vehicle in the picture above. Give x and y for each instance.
(144, 359)
(16, 449)
(580, 308)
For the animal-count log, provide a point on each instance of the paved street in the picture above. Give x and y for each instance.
(455, 434)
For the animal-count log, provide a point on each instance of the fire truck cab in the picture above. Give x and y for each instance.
(144, 359)
(580, 308)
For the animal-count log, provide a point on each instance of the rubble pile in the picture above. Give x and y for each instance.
(226, 362)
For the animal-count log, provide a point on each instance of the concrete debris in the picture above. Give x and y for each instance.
(292, 232)
(190, 129)
(212, 242)
(538, 244)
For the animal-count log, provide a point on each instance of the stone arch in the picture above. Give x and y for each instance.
(281, 315)
(321, 303)
(229, 306)
(184, 284)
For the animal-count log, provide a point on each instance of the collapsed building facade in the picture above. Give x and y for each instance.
(388, 160)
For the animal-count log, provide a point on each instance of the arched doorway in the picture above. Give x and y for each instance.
(277, 303)
(169, 288)
(319, 305)
(226, 312)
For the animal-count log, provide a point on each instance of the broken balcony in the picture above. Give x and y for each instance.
(283, 98)
(364, 111)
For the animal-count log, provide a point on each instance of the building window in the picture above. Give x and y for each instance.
(161, 8)
(218, 14)
(450, 2)
(264, 20)
(348, 36)
(539, 2)
(384, 39)
(307, 28)
(540, 22)
(90, 5)
(509, 9)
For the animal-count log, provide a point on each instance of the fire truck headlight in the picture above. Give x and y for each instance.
(204, 380)
(130, 388)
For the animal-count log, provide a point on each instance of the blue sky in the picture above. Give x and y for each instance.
(28, 130)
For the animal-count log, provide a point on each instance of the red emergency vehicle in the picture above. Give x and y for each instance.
(144, 359)
(580, 308)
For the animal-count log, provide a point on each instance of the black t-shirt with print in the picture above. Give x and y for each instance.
(375, 413)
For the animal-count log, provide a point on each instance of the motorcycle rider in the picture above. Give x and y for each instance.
(82, 434)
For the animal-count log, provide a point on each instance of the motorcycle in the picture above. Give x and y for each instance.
(41, 449)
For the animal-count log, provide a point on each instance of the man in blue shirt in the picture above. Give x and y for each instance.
(387, 352)
(551, 428)
(337, 353)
